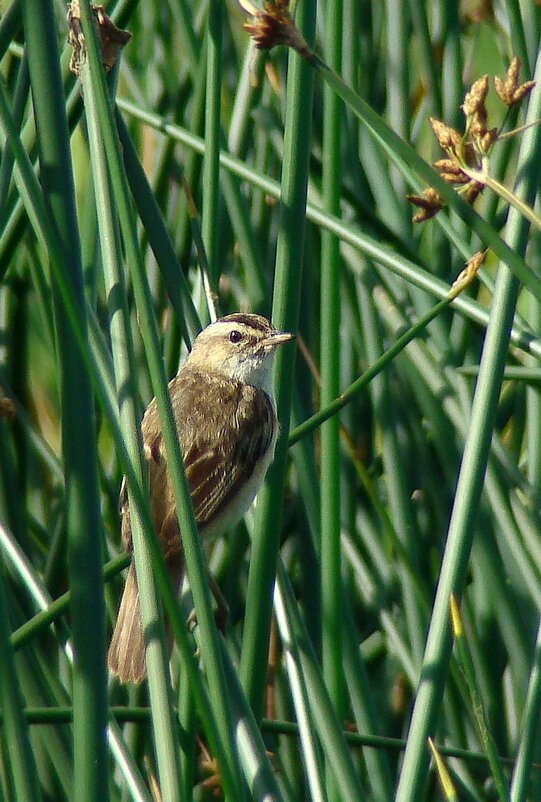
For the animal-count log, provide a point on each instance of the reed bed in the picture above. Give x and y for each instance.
(383, 638)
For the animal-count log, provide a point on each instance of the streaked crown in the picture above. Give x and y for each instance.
(239, 347)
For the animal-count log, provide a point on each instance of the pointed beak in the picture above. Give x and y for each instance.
(278, 338)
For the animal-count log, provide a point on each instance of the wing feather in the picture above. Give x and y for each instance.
(228, 435)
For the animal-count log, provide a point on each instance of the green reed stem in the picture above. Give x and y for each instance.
(83, 520)
(285, 315)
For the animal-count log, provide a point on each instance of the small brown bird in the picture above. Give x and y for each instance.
(225, 413)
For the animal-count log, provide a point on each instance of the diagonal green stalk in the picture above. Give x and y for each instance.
(410, 163)
(500, 189)
(94, 358)
(365, 710)
(57, 608)
(375, 250)
(312, 758)
(19, 102)
(529, 726)
(397, 482)
(359, 384)
(51, 611)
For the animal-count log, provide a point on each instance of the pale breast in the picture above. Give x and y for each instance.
(241, 502)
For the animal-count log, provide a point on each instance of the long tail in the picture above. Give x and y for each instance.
(126, 656)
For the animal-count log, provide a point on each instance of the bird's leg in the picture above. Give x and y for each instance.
(222, 608)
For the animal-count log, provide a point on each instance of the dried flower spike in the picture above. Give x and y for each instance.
(477, 125)
(467, 275)
(488, 139)
(111, 39)
(429, 202)
(474, 102)
(508, 88)
(273, 25)
(467, 155)
(448, 138)
(450, 171)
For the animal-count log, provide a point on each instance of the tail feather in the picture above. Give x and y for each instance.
(126, 656)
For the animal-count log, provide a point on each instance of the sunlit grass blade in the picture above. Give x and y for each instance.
(444, 777)
(466, 664)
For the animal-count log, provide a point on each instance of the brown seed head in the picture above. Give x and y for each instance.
(488, 139)
(508, 88)
(429, 202)
(508, 84)
(423, 215)
(467, 275)
(450, 171)
(475, 261)
(474, 102)
(274, 26)
(478, 124)
(111, 39)
(523, 90)
(448, 138)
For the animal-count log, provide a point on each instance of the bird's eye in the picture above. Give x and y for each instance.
(235, 336)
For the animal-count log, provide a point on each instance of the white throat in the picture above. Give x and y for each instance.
(257, 373)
